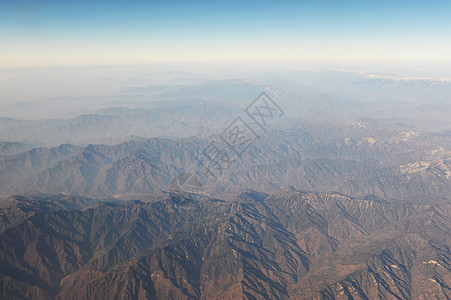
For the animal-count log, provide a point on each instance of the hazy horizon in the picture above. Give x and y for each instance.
(55, 51)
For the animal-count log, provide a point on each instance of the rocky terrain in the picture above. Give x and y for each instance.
(349, 208)
(356, 158)
(289, 245)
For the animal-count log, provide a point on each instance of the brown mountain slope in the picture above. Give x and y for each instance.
(292, 245)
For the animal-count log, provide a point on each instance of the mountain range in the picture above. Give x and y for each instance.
(354, 157)
(171, 185)
(176, 111)
(289, 245)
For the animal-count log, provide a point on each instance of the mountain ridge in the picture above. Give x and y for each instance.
(254, 246)
(372, 161)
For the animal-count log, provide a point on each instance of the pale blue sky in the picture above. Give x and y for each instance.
(67, 33)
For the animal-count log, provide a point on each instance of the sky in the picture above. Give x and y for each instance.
(53, 33)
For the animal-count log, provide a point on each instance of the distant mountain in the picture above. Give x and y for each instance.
(146, 111)
(10, 148)
(183, 111)
(15, 167)
(115, 125)
(350, 157)
(290, 245)
(419, 81)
